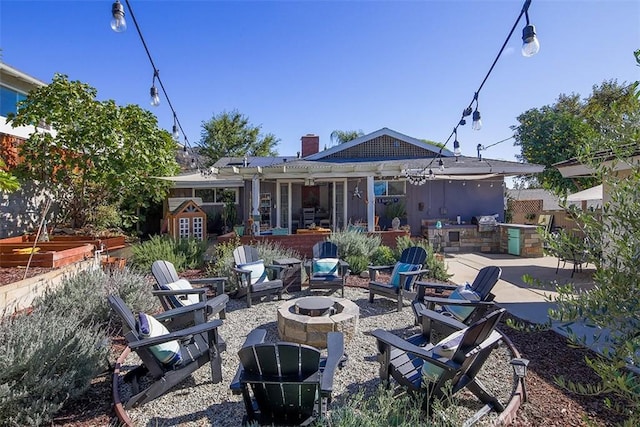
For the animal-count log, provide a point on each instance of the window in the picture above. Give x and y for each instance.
(9, 99)
(216, 196)
(389, 188)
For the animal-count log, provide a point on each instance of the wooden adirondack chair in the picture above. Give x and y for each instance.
(404, 274)
(421, 367)
(252, 276)
(466, 305)
(326, 270)
(174, 292)
(188, 350)
(286, 383)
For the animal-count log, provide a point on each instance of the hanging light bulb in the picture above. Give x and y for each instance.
(175, 133)
(155, 99)
(185, 153)
(118, 23)
(441, 165)
(477, 121)
(456, 145)
(530, 43)
(153, 92)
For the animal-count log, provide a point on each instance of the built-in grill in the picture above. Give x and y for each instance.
(485, 222)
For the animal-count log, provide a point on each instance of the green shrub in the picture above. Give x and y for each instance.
(105, 216)
(357, 263)
(84, 295)
(386, 409)
(50, 355)
(182, 253)
(354, 243)
(47, 357)
(383, 255)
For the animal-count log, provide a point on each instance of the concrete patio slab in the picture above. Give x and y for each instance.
(530, 302)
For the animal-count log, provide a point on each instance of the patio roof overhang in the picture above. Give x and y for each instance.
(197, 180)
(464, 169)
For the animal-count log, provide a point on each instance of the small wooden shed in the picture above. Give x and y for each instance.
(187, 220)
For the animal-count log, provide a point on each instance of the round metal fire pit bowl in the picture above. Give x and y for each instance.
(312, 330)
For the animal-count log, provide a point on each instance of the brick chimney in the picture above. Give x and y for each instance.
(310, 144)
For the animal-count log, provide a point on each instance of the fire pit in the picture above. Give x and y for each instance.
(308, 320)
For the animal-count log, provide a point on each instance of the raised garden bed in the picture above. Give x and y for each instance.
(57, 252)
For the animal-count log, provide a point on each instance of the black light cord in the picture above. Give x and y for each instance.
(156, 73)
(467, 110)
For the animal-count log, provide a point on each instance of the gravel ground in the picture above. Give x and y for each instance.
(197, 402)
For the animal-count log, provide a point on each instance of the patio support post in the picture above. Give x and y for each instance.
(371, 205)
(255, 202)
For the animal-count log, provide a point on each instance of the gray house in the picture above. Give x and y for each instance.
(365, 182)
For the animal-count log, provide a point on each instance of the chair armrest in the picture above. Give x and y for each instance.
(256, 336)
(335, 351)
(438, 287)
(176, 335)
(430, 301)
(380, 267)
(159, 292)
(236, 386)
(240, 271)
(389, 339)
(440, 318)
(413, 273)
(180, 311)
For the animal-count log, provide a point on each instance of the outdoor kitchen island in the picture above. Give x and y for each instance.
(516, 239)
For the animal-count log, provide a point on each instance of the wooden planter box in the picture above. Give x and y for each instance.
(57, 252)
(49, 255)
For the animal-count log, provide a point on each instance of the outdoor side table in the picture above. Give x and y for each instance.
(292, 275)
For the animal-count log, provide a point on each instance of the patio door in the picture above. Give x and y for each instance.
(338, 199)
(284, 205)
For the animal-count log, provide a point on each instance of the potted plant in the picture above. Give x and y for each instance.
(229, 215)
(529, 218)
(399, 211)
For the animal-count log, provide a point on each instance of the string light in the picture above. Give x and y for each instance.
(175, 133)
(456, 144)
(533, 45)
(118, 23)
(153, 92)
(530, 43)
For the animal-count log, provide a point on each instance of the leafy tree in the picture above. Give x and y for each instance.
(99, 154)
(614, 238)
(342, 136)
(558, 132)
(8, 182)
(229, 134)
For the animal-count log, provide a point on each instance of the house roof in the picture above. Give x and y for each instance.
(8, 70)
(573, 168)
(417, 158)
(396, 136)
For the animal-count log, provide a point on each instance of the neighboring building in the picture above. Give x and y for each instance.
(384, 174)
(20, 211)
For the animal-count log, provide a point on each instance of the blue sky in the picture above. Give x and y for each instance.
(299, 67)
